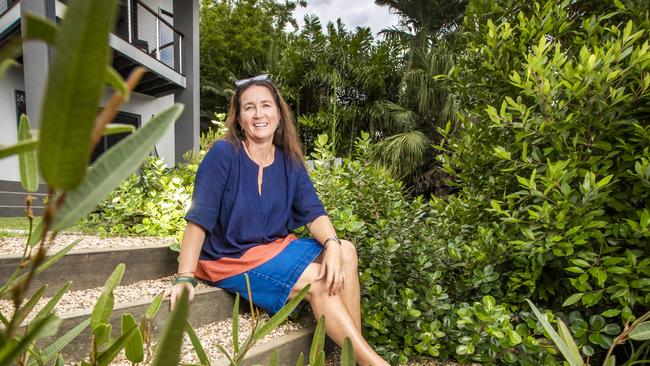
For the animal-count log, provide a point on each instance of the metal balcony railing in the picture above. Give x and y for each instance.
(6, 5)
(151, 32)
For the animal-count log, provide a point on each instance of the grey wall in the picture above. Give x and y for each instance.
(186, 131)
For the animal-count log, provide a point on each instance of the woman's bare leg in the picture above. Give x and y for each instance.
(338, 321)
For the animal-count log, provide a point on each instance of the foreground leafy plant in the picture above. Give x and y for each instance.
(639, 330)
(64, 145)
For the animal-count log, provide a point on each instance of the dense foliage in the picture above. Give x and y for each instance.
(552, 169)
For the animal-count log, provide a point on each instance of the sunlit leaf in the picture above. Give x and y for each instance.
(133, 345)
(347, 354)
(318, 341)
(104, 306)
(27, 159)
(73, 91)
(196, 344)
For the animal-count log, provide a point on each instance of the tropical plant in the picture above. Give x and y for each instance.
(237, 40)
(424, 21)
(333, 79)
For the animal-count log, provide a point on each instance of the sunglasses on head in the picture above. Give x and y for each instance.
(262, 77)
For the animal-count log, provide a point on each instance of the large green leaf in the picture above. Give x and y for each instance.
(112, 167)
(105, 358)
(347, 354)
(281, 315)
(73, 91)
(23, 146)
(44, 327)
(318, 342)
(559, 342)
(641, 332)
(196, 343)
(45, 310)
(104, 306)
(133, 346)
(56, 347)
(168, 352)
(39, 29)
(22, 313)
(27, 159)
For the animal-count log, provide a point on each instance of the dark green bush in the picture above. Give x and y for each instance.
(551, 162)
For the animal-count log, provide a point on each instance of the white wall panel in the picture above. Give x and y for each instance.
(12, 80)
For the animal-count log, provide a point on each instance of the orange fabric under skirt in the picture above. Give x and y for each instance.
(217, 270)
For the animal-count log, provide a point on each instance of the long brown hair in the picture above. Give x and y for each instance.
(285, 137)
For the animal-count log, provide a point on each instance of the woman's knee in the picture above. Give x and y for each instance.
(349, 252)
(309, 277)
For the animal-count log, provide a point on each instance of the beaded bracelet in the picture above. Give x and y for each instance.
(191, 280)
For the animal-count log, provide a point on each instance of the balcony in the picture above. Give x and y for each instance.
(151, 32)
(143, 36)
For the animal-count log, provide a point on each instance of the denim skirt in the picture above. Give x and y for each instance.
(272, 281)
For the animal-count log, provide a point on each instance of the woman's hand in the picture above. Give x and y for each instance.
(331, 268)
(174, 292)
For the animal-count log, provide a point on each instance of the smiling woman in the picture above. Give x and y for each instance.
(237, 228)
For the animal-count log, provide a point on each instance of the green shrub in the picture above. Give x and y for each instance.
(406, 274)
(551, 162)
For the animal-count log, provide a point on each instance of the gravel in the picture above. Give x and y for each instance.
(16, 245)
(221, 333)
(78, 300)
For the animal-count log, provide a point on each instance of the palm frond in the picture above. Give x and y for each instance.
(402, 154)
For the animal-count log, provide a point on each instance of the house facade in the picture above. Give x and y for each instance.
(161, 35)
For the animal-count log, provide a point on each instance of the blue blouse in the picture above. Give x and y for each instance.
(227, 204)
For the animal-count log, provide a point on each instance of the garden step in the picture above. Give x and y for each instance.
(89, 268)
(209, 305)
(18, 199)
(289, 347)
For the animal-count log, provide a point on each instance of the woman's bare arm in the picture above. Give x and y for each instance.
(187, 261)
